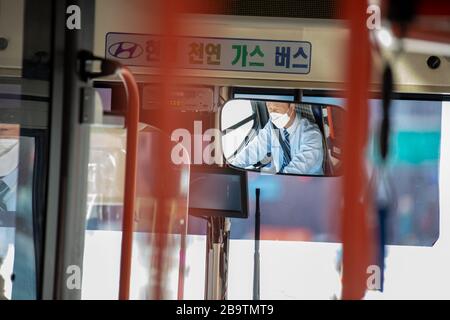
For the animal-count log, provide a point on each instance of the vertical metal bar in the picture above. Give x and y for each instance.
(256, 270)
(216, 283)
(69, 146)
(208, 258)
(217, 233)
(217, 259)
(182, 257)
(55, 141)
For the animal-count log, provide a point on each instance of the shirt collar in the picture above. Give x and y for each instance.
(9, 157)
(294, 125)
(10, 179)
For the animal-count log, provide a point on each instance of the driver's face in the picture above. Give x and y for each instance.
(279, 107)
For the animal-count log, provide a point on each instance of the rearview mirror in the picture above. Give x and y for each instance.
(282, 137)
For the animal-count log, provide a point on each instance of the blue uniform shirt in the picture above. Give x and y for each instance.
(306, 146)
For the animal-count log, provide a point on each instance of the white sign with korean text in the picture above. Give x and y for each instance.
(212, 53)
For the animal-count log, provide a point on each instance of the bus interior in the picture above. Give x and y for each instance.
(146, 154)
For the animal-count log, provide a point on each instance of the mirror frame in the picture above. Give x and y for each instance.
(227, 163)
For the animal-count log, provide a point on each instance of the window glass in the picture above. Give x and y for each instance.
(24, 112)
(307, 208)
(301, 251)
(230, 117)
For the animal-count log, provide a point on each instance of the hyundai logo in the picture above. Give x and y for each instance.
(125, 50)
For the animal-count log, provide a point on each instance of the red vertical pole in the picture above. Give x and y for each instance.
(130, 183)
(354, 224)
(165, 175)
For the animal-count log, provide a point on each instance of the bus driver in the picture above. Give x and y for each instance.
(288, 142)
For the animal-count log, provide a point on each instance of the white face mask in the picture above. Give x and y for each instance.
(280, 120)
